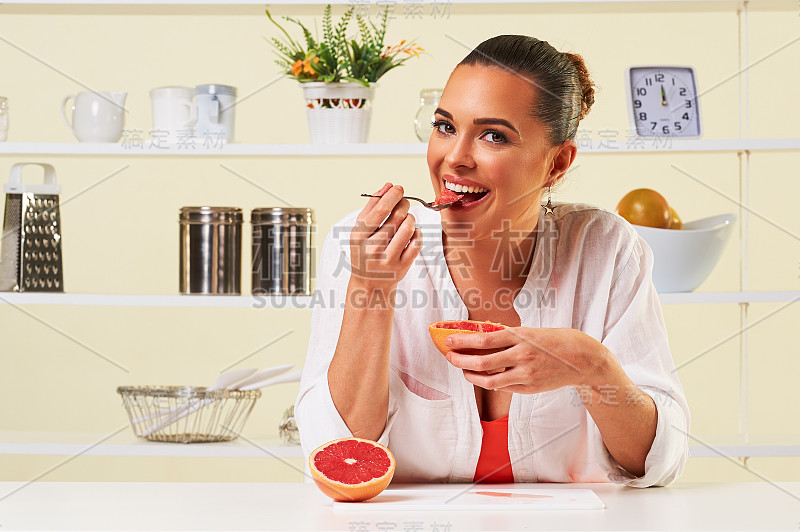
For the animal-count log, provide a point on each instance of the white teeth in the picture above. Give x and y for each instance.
(463, 188)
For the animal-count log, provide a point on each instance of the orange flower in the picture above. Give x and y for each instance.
(410, 49)
(297, 67)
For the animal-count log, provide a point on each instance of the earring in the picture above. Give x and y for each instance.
(548, 209)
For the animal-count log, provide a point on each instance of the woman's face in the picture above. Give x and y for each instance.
(484, 137)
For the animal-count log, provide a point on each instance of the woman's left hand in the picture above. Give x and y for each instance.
(532, 360)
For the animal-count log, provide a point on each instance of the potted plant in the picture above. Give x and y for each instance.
(337, 73)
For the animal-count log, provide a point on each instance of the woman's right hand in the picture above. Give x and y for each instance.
(382, 253)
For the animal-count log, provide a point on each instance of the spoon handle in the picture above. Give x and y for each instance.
(425, 203)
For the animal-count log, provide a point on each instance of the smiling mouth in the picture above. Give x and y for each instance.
(471, 194)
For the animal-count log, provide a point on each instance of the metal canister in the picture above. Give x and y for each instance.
(211, 250)
(282, 250)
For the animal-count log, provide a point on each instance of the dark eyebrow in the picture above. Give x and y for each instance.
(498, 121)
(440, 111)
(481, 121)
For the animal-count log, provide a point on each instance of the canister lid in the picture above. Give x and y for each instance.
(171, 92)
(282, 215)
(215, 89)
(431, 93)
(211, 215)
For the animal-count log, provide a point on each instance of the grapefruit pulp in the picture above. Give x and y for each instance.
(447, 196)
(351, 469)
(440, 330)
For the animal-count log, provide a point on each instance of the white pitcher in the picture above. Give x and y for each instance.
(96, 116)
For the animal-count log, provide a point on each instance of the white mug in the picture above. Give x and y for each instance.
(215, 105)
(174, 114)
(96, 116)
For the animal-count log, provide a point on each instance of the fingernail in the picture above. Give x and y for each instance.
(448, 342)
(383, 188)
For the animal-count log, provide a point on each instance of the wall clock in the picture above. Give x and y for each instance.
(662, 101)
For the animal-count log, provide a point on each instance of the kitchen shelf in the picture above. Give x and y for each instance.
(595, 146)
(774, 296)
(137, 300)
(779, 446)
(227, 150)
(126, 444)
(304, 302)
(239, 7)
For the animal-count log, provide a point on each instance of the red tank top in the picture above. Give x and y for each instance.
(494, 464)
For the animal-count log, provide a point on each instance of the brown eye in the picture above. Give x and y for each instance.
(443, 126)
(495, 137)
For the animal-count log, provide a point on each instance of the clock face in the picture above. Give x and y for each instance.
(663, 101)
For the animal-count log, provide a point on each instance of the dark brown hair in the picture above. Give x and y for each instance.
(564, 92)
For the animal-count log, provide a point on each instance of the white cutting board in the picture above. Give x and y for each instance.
(477, 498)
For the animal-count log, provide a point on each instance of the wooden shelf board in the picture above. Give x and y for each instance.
(588, 147)
(305, 302)
(126, 444)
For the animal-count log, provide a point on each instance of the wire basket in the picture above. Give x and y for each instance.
(187, 414)
(290, 435)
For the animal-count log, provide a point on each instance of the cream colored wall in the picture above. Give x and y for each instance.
(121, 236)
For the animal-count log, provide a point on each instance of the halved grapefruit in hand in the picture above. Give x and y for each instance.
(351, 469)
(440, 330)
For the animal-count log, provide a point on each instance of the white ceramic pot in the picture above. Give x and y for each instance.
(95, 116)
(685, 257)
(338, 113)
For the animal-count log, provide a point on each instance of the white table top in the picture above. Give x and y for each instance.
(247, 506)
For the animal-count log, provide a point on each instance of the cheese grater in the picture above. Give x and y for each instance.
(30, 256)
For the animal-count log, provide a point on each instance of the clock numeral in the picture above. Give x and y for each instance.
(665, 129)
(660, 78)
(648, 81)
(641, 91)
(682, 91)
(642, 116)
(685, 116)
(654, 126)
(637, 104)
(688, 104)
(678, 126)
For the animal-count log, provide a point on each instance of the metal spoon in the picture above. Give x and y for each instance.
(259, 376)
(431, 206)
(268, 378)
(280, 379)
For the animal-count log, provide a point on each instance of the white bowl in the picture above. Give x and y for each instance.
(684, 258)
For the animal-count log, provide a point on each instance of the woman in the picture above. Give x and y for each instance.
(581, 387)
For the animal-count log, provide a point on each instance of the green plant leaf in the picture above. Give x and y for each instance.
(337, 56)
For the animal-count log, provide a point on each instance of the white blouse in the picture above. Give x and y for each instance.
(590, 271)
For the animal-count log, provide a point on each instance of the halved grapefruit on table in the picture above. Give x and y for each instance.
(351, 469)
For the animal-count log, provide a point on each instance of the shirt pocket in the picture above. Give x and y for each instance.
(423, 432)
(420, 389)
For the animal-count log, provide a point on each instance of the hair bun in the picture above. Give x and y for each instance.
(587, 85)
